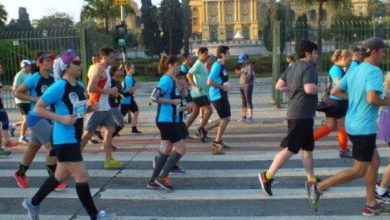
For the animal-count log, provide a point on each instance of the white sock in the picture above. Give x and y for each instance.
(381, 190)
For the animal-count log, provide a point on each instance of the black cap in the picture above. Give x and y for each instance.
(374, 43)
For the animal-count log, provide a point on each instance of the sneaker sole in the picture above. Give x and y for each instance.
(28, 210)
(17, 182)
(152, 187)
(161, 186)
(262, 185)
(308, 197)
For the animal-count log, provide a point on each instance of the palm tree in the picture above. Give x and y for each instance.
(102, 9)
(3, 15)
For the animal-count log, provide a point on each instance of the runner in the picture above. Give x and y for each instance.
(218, 81)
(334, 107)
(167, 97)
(247, 76)
(300, 80)
(116, 73)
(382, 190)
(23, 106)
(128, 103)
(68, 98)
(364, 86)
(30, 90)
(356, 57)
(99, 88)
(3, 152)
(197, 78)
(186, 63)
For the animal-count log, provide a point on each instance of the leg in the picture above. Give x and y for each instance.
(307, 160)
(342, 135)
(324, 130)
(84, 140)
(163, 154)
(371, 178)
(278, 162)
(208, 111)
(385, 183)
(221, 129)
(193, 116)
(107, 142)
(23, 128)
(174, 158)
(248, 90)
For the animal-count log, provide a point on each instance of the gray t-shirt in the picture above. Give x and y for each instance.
(301, 105)
(246, 74)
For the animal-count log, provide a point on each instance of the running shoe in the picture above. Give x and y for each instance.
(249, 120)
(152, 185)
(32, 210)
(23, 140)
(61, 187)
(177, 170)
(21, 180)
(104, 215)
(93, 141)
(4, 153)
(384, 198)
(113, 164)
(135, 131)
(265, 183)
(312, 194)
(217, 150)
(242, 119)
(10, 144)
(378, 209)
(188, 137)
(220, 145)
(346, 154)
(163, 183)
(12, 129)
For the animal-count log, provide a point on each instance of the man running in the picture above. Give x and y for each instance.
(99, 88)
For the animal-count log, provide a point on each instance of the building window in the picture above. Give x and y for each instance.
(229, 33)
(195, 21)
(244, 6)
(213, 33)
(245, 32)
(313, 15)
(229, 18)
(213, 19)
(244, 17)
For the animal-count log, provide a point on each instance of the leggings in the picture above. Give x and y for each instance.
(246, 95)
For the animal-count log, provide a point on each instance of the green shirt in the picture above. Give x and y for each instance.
(18, 80)
(199, 75)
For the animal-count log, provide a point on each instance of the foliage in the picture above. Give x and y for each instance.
(187, 24)
(56, 20)
(301, 30)
(171, 19)
(151, 31)
(3, 15)
(376, 8)
(23, 23)
(10, 55)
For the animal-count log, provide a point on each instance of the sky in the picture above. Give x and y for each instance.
(39, 8)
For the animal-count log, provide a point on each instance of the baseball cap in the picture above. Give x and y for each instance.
(374, 43)
(25, 63)
(51, 56)
(243, 57)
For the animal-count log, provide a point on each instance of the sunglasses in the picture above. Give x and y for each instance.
(76, 62)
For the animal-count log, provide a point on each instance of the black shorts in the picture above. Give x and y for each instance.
(299, 136)
(133, 107)
(68, 152)
(24, 108)
(337, 111)
(222, 106)
(201, 101)
(170, 131)
(363, 146)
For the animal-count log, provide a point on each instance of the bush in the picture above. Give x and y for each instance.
(10, 57)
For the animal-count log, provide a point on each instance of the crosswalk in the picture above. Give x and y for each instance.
(214, 187)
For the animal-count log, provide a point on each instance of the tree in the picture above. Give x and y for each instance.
(346, 29)
(187, 25)
(301, 30)
(151, 31)
(102, 9)
(3, 15)
(56, 20)
(171, 24)
(23, 23)
(376, 9)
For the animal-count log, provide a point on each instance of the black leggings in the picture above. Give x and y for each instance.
(246, 96)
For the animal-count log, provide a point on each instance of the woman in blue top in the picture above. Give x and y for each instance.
(67, 96)
(167, 120)
(336, 108)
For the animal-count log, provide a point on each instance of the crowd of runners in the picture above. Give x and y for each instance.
(54, 102)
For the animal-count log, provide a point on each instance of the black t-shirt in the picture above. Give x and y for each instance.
(115, 101)
(301, 105)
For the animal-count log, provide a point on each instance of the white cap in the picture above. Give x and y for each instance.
(25, 63)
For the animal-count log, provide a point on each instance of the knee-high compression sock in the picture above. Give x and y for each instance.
(85, 197)
(22, 170)
(160, 162)
(343, 139)
(172, 161)
(321, 132)
(47, 187)
(51, 169)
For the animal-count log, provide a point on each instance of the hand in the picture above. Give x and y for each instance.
(176, 101)
(237, 72)
(227, 88)
(92, 108)
(113, 91)
(68, 120)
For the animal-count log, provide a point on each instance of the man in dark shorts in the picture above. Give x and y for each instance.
(219, 87)
(197, 78)
(364, 86)
(300, 81)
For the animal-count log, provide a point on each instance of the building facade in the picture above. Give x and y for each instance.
(222, 20)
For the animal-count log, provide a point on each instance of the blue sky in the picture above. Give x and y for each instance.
(40, 8)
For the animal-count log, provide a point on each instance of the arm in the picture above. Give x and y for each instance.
(281, 85)
(312, 89)
(337, 91)
(374, 98)
(93, 82)
(191, 80)
(22, 93)
(41, 110)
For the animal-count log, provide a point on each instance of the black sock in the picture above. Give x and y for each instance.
(22, 170)
(116, 131)
(172, 161)
(47, 187)
(51, 169)
(161, 159)
(85, 197)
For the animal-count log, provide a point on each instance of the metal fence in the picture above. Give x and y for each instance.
(339, 35)
(18, 45)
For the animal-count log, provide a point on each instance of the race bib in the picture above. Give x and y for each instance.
(79, 108)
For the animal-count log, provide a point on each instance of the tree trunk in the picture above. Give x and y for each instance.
(319, 32)
(106, 23)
